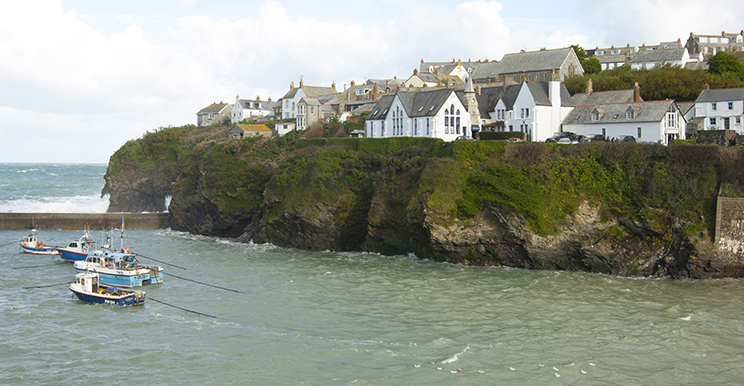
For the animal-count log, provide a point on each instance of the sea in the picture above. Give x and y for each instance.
(255, 314)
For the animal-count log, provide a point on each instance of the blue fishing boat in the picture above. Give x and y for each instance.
(77, 250)
(120, 269)
(88, 289)
(31, 244)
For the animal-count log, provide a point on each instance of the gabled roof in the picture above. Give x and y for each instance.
(380, 110)
(540, 92)
(486, 70)
(720, 95)
(248, 104)
(599, 97)
(653, 111)
(669, 55)
(213, 108)
(310, 91)
(534, 61)
(253, 127)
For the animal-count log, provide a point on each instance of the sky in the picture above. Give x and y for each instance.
(79, 78)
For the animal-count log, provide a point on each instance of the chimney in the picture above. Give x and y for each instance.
(636, 93)
(353, 83)
(333, 85)
(291, 85)
(589, 89)
(301, 82)
(706, 87)
(422, 60)
(459, 63)
(478, 90)
(269, 99)
(258, 97)
(415, 71)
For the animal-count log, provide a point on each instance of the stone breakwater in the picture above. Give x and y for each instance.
(77, 221)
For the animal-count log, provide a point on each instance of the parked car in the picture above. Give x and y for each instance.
(626, 138)
(464, 138)
(594, 138)
(564, 140)
(514, 140)
(552, 139)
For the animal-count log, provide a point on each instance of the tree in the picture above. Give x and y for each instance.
(724, 62)
(590, 65)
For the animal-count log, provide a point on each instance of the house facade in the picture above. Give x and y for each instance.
(282, 128)
(435, 114)
(251, 109)
(313, 110)
(533, 108)
(214, 113)
(653, 121)
(648, 59)
(538, 66)
(709, 45)
(295, 94)
(721, 109)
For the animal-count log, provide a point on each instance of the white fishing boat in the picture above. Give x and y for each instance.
(78, 249)
(31, 244)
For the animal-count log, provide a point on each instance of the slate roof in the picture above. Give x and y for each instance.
(486, 70)
(311, 91)
(619, 58)
(381, 108)
(540, 92)
(669, 55)
(416, 104)
(265, 105)
(599, 97)
(213, 108)
(721, 95)
(653, 111)
(533, 61)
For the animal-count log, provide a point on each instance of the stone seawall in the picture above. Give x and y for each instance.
(79, 221)
(730, 232)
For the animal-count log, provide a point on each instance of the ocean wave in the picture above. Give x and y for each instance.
(75, 204)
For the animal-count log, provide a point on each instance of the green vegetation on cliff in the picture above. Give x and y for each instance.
(391, 187)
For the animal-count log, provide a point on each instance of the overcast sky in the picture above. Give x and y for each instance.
(78, 78)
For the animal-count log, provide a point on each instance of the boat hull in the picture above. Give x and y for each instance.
(39, 251)
(71, 256)
(128, 300)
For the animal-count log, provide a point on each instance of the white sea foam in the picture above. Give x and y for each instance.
(455, 357)
(75, 204)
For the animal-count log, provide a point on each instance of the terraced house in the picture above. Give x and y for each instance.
(721, 109)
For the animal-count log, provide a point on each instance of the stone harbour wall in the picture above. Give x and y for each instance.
(79, 221)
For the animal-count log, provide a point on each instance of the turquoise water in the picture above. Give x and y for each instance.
(308, 318)
(362, 319)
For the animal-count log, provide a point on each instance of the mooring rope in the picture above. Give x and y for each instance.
(160, 261)
(37, 266)
(181, 308)
(48, 285)
(199, 282)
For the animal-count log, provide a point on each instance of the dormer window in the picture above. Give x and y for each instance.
(595, 115)
(630, 113)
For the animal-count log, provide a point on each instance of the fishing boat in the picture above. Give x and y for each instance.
(88, 289)
(32, 244)
(120, 268)
(77, 250)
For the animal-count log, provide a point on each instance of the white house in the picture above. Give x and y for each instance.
(648, 59)
(436, 114)
(653, 121)
(295, 94)
(721, 109)
(251, 108)
(534, 108)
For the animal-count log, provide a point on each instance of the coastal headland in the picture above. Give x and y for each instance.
(626, 209)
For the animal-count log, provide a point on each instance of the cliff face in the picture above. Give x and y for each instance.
(629, 210)
(135, 189)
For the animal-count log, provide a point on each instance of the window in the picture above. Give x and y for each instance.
(712, 121)
(630, 114)
(714, 106)
(595, 115)
(731, 105)
(738, 120)
(639, 132)
(427, 126)
(671, 119)
(527, 112)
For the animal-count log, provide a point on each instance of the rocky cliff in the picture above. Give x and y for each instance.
(620, 209)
